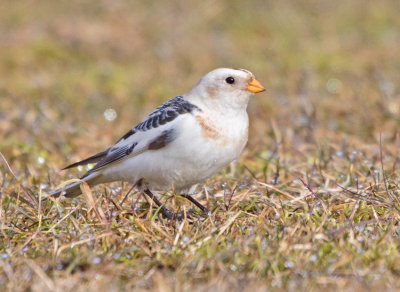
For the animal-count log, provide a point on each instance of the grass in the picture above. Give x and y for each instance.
(312, 203)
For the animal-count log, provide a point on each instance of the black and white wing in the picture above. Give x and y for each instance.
(165, 113)
(154, 132)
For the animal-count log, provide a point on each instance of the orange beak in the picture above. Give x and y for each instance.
(255, 86)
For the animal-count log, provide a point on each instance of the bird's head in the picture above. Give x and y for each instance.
(225, 87)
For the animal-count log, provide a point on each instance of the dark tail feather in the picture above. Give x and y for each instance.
(74, 189)
(92, 159)
(71, 191)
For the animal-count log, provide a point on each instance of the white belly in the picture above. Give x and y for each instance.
(196, 154)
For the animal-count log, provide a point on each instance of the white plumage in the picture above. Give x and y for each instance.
(184, 141)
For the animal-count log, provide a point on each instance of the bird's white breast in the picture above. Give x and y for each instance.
(204, 145)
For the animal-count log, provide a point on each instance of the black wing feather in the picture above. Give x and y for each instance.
(117, 153)
(92, 159)
(113, 156)
(165, 113)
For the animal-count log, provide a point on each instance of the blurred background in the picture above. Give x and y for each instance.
(76, 75)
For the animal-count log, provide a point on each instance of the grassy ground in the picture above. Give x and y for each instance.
(313, 202)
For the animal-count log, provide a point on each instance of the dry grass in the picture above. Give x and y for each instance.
(313, 203)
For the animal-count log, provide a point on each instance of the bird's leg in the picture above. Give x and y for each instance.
(127, 194)
(166, 213)
(200, 206)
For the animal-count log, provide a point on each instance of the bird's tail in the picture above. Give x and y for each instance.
(74, 189)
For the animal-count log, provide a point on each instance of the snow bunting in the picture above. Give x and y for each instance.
(182, 142)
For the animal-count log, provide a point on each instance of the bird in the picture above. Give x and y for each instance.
(181, 143)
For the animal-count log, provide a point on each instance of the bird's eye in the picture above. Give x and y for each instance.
(230, 80)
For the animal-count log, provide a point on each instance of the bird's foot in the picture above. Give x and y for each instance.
(190, 215)
(167, 214)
